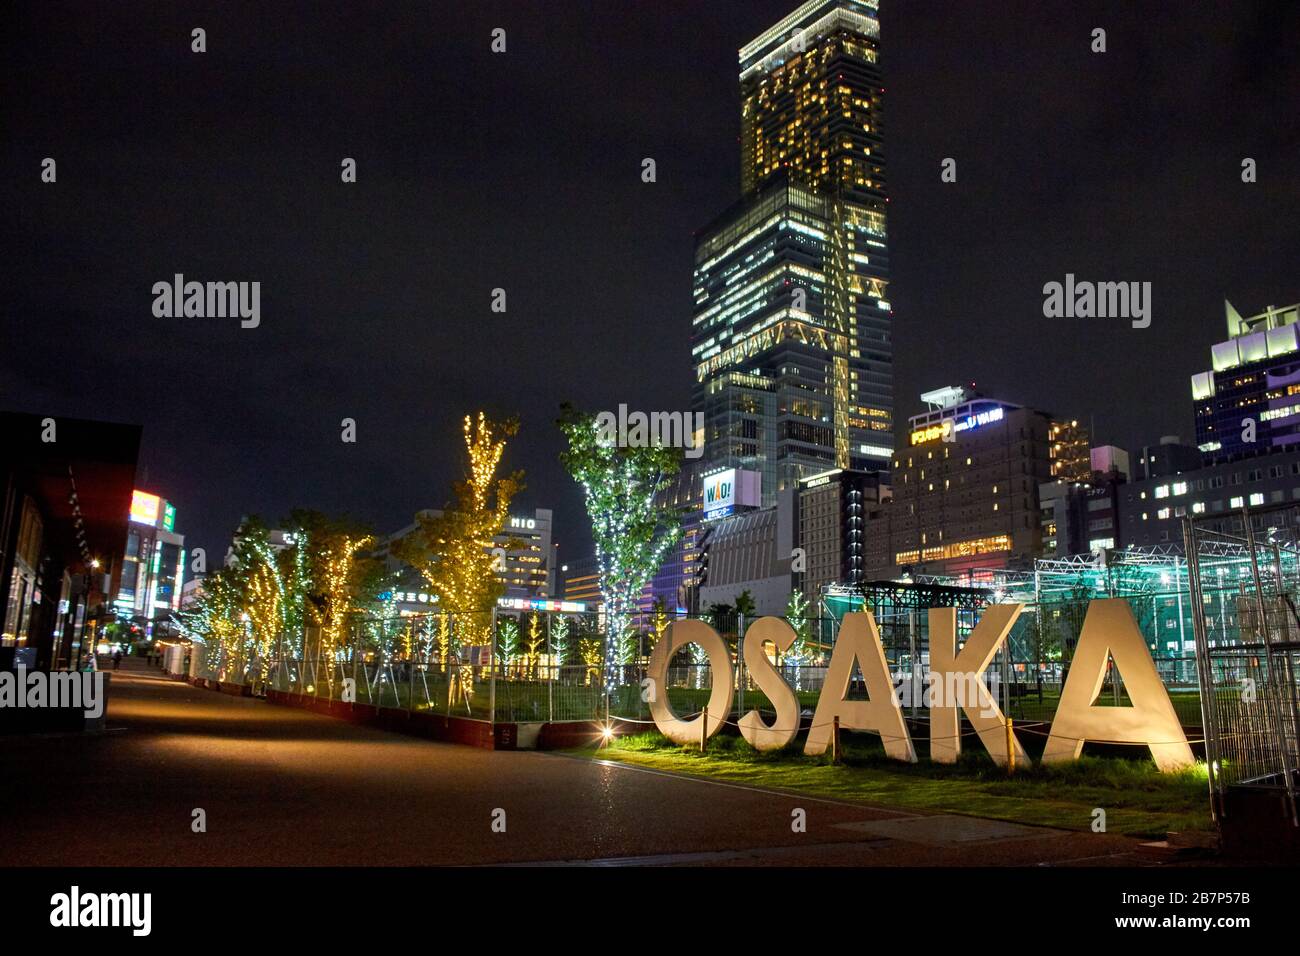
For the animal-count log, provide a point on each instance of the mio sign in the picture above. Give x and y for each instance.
(955, 687)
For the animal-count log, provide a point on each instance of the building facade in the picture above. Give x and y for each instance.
(832, 519)
(1249, 400)
(63, 524)
(1151, 509)
(582, 581)
(153, 567)
(965, 489)
(524, 550)
(791, 328)
(752, 551)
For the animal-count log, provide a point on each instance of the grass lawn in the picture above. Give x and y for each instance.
(1138, 800)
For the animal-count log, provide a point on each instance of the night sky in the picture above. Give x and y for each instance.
(522, 171)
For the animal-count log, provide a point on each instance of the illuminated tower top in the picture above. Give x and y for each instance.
(810, 101)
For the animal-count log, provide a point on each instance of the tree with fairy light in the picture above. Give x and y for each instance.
(453, 550)
(659, 622)
(632, 529)
(536, 635)
(508, 643)
(341, 582)
(560, 642)
(257, 567)
(295, 572)
(214, 621)
(796, 614)
(384, 638)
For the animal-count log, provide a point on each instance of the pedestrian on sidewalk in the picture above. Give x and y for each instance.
(117, 658)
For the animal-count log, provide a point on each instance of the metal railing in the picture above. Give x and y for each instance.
(1248, 654)
(548, 667)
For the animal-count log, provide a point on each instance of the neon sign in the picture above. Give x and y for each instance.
(950, 426)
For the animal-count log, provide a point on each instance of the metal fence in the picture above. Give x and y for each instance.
(1248, 639)
(548, 666)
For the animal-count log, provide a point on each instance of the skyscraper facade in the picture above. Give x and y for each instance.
(791, 327)
(1249, 402)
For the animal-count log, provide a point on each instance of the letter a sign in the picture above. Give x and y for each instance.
(1109, 630)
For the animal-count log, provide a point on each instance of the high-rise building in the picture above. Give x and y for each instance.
(153, 568)
(832, 520)
(526, 565)
(791, 327)
(965, 489)
(1249, 401)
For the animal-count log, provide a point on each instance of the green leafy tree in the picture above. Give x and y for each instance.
(745, 605)
(632, 529)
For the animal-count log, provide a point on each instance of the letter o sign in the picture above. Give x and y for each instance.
(681, 633)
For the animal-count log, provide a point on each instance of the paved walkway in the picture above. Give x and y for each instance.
(280, 786)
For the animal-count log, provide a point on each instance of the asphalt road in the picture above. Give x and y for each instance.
(283, 787)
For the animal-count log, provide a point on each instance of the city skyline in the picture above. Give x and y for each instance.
(354, 286)
(707, 435)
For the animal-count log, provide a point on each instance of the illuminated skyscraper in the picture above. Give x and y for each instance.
(791, 329)
(1249, 402)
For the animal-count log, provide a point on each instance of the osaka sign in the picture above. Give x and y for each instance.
(956, 687)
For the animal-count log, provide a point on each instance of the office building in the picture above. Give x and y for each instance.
(791, 328)
(582, 581)
(1151, 509)
(153, 567)
(1078, 517)
(832, 521)
(965, 489)
(525, 552)
(1169, 457)
(1249, 400)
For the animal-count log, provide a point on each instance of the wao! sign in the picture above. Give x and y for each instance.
(955, 687)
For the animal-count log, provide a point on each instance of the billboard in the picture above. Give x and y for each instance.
(145, 508)
(726, 491)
